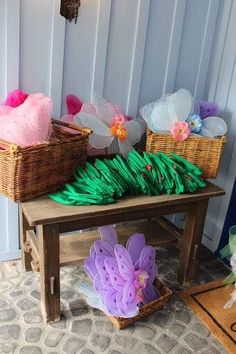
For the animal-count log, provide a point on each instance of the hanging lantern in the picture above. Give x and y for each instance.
(70, 9)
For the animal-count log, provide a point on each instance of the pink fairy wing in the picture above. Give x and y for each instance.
(134, 246)
(103, 248)
(150, 293)
(113, 270)
(108, 234)
(124, 262)
(147, 262)
(129, 295)
(105, 276)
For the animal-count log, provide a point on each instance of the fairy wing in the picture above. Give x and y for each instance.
(150, 293)
(124, 262)
(162, 117)
(134, 245)
(90, 267)
(216, 126)
(103, 248)
(104, 275)
(126, 313)
(99, 287)
(103, 108)
(181, 102)
(111, 304)
(113, 271)
(147, 262)
(129, 295)
(108, 234)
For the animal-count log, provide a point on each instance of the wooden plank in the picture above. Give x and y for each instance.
(192, 237)
(49, 272)
(44, 210)
(24, 226)
(74, 248)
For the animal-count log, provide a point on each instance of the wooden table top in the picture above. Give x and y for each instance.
(45, 211)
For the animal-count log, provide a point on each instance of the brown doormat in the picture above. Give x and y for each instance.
(207, 301)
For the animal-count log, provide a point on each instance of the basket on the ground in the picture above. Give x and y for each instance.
(146, 310)
(27, 172)
(204, 152)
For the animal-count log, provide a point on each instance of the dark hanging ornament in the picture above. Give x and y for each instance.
(70, 9)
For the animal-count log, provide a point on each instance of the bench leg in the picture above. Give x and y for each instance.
(192, 236)
(49, 272)
(26, 256)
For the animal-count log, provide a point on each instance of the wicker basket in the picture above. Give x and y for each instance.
(146, 310)
(28, 172)
(202, 151)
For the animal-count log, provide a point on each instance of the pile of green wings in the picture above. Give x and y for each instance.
(106, 180)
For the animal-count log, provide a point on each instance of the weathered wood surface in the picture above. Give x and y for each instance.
(45, 211)
(74, 248)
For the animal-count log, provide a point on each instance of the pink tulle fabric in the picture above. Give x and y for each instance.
(29, 123)
(15, 98)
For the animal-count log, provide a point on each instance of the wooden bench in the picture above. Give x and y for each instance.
(43, 220)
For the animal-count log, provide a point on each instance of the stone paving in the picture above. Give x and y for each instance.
(174, 329)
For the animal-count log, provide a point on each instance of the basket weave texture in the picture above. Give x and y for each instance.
(28, 172)
(203, 152)
(146, 310)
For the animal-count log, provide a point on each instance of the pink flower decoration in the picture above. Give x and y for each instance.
(119, 119)
(180, 131)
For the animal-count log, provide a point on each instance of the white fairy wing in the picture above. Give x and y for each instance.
(103, 108)
(100, 142)
(206, 132)
(181, 103)
(146, 111)
(94, 123)
(134, 131)
(162, 117)
(125, 147)
(87, 289)
(215, 125)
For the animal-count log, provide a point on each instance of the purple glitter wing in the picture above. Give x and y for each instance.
(147, 262)
(92, 251)
(108, 234)
(103, 249)
(129, 295)
(90, 267)
(113, 270)
(124, 262)
(105, 277)
(150, 293)
(134, 245)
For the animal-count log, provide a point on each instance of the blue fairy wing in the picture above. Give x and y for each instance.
(147, 262)
(134, 246)
(215, 125)
(113, 271)
(124, 262)
(103, 249)
(105, 276)
(108, 234)
(90, 267)
(88, 290)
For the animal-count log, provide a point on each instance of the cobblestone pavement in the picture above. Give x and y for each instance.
(174, 329)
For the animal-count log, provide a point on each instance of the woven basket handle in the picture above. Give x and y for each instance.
(72, 126)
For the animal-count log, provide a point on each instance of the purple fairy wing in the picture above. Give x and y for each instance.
(90, 267)
(147, 262)
(99, 287)
(103, 249)
(124, 262)
(134, 246)
(110, 303)
(92, 251)
(113, 270)
(150, 293)
(129, 295)
(105, 277)
(108, 234)
(131, 312)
